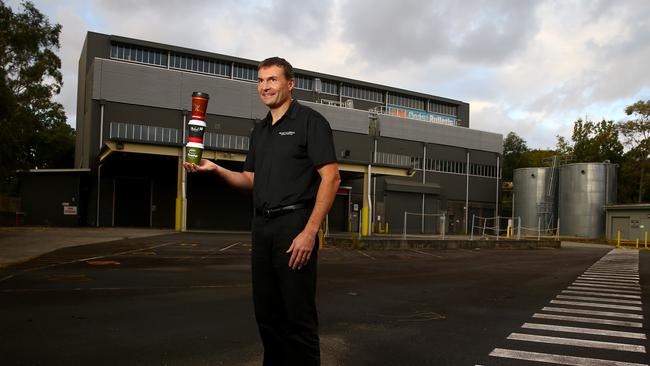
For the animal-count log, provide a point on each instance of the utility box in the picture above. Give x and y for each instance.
(632, 221)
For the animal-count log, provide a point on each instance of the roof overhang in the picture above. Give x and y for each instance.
(111, 147)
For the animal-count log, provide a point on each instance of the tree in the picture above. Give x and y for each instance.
(33, 129)
(593, 142)
(636, 133)
(514, 149)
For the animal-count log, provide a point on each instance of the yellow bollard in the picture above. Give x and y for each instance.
(386, 228)
(364, 221)
(508, 232)
(637, 243)
(645, 239)
(618, 240)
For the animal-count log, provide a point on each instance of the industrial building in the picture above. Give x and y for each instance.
(399, 151)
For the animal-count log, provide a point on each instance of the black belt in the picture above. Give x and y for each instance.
(279, 211)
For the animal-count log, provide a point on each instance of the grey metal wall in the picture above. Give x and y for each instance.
(151, 86)
(584, 189)
(533, 190)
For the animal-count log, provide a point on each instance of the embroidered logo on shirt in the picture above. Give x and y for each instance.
(287, 133)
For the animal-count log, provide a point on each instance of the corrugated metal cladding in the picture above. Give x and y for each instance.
(150, 86)
(585, 189)
(535, 196)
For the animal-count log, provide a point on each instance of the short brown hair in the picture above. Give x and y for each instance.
(280, 62)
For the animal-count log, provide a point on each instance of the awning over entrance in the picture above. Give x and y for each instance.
(112, 146)
(400, 185)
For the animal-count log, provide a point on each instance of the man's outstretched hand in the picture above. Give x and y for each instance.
(205, 165)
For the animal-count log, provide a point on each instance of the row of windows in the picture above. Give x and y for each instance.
(245, 72)
(249, 73)
(199, 64)
(404, 101)
(362, 93)
(451, 110)
(138, 54)
(303, 83)
(458, 167)
(329, 87)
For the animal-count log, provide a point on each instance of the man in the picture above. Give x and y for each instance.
(291, 168)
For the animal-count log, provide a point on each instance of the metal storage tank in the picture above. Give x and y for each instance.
(535, 197)
(584, 189)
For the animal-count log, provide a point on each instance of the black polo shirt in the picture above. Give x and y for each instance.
(285, 156)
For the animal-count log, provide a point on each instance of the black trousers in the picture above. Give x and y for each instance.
(284, 299)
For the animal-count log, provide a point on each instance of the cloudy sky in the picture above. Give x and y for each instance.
(532, 67)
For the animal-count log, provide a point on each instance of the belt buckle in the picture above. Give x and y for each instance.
(266, 213)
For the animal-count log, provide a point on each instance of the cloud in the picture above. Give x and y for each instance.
(529, 67)
(472, 32)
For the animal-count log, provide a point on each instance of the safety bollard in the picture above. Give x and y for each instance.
(637, 243)
(618, 240)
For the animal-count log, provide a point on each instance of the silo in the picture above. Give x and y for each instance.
(584, 189)
(535, 193)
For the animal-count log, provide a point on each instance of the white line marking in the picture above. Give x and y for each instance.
(618, 276)
(580, 319)
(588, 298)
(603, 290)
(577, 342)
(631, 272)
(610, 284)
(6, 278)
(229, 246)
(606, 275)
(597, 305)
(601, 294)
(421, 252)
(602, 279)
(213, 251)
(625, 288)
(580, 330)
(366, 254)
(558, 359)
(593, 312)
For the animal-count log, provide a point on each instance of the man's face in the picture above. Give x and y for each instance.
(273, 87)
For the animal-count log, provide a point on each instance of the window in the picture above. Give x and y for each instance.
(404, 101)
(329, 87)
(144, 55)
(446, 109)
(245, 72)
(361, 93)
(304, 83)
(202, 65)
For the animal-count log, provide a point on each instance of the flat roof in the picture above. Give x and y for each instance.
(207, 54)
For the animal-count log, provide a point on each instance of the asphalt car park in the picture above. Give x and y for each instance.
(185, 299)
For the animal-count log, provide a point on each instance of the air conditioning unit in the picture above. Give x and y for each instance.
(349, 103)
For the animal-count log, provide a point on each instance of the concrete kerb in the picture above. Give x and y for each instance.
(374, 243)
(20, 244)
